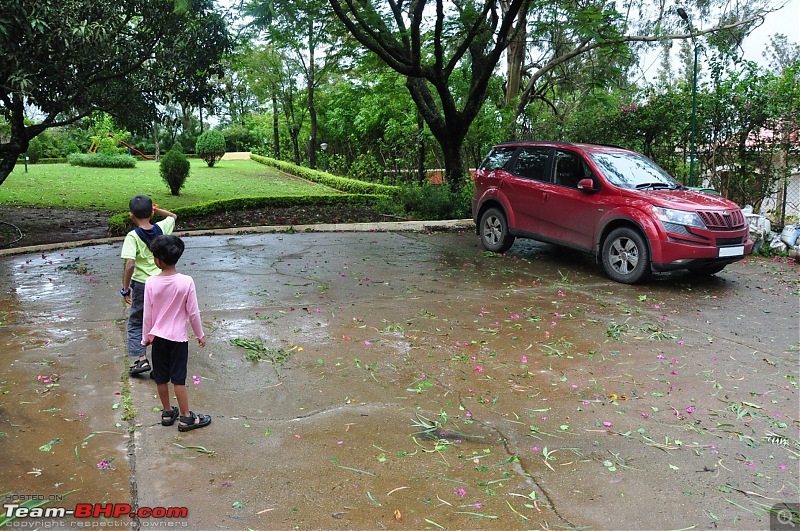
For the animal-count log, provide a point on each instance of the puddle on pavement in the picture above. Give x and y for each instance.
(54, 428)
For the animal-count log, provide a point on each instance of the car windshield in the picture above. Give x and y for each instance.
(631, 170)
(497, 158)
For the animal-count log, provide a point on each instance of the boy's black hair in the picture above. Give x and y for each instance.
(167, 248)
(141, 206)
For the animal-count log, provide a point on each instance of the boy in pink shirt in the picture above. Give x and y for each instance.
(169, 300)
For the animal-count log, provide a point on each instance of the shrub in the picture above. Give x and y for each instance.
(210, 147)
(366, 168)
(35, 149)
(174, 168)
(72, 147)
(108, 146)
(435, 201)
(177, 146)
(91, 160)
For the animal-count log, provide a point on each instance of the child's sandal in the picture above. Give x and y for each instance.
(139, 367)
(168, 418)
(192, 422)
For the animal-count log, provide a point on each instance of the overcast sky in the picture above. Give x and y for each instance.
(786, 21)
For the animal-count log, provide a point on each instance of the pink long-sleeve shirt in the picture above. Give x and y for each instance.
(169, 300)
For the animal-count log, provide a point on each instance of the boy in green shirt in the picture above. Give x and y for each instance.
(139, 265)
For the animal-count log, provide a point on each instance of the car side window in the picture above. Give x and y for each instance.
(531, 163)
(570, 168)
(497, 158)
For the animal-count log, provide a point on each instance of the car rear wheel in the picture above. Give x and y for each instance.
(626, 257)
(494, 231)
(707, 270)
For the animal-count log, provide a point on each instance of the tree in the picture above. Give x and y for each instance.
(466, 35)
(70, 58)
(266, 74)
(371, 126)
(174, 168)
(429, 42)
(749, 128)
(781, 54)
(211, 147)
(303, 32)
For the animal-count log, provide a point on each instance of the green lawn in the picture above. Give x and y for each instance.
(62, 185)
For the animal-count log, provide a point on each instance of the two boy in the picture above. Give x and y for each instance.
(161, 302)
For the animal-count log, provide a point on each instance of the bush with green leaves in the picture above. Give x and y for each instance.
(109, 146)
(210, 147)
(174, 168)
(177, 146)
(100, 160)
(35, 150)
(436, 201)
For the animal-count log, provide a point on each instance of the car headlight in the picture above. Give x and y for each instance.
(679, 217)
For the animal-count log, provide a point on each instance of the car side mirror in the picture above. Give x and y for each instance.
(587, 185)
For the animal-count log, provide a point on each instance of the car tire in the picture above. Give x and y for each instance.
(494, 231)
(626, 257)
(708, 270)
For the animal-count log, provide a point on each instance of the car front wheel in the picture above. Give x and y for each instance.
(626, 256)
(494, 231)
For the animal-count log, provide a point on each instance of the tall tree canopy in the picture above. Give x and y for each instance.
(430, 41)
(67, 59)
(429, 45)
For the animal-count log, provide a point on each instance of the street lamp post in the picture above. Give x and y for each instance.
(682, 13)
(324, 148)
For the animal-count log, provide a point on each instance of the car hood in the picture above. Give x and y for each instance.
(689, 200)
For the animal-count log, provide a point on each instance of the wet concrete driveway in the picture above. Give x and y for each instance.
(407, 380)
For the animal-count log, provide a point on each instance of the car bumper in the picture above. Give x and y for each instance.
(670, 256)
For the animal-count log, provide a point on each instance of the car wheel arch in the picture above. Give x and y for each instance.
(494, 202)
(616, 223)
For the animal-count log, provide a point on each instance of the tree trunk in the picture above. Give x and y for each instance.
(450, 130)
(421, 149)
(156, 141)
(276, 137)
(454, 164)
(516, 57)
(294, 132)
(18, 143)
(312, 110)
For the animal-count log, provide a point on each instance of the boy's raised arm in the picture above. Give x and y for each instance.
(164, 213)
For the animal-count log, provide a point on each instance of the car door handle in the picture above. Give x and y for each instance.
(546, 196)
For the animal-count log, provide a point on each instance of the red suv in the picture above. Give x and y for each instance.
(609, 201)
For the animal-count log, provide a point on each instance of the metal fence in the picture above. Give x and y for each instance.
(783, 206)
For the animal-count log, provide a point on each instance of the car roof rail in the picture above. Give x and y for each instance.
(615, 146)
(523, 141)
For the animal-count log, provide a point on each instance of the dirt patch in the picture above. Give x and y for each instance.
(24, 226)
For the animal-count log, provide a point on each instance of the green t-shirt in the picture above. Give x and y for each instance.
(134, 248)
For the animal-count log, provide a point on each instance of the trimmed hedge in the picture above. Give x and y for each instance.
(343, 184)
(99, 160)
(120, 224)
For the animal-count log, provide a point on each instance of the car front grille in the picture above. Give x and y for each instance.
(722, 219)
(729, 241)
